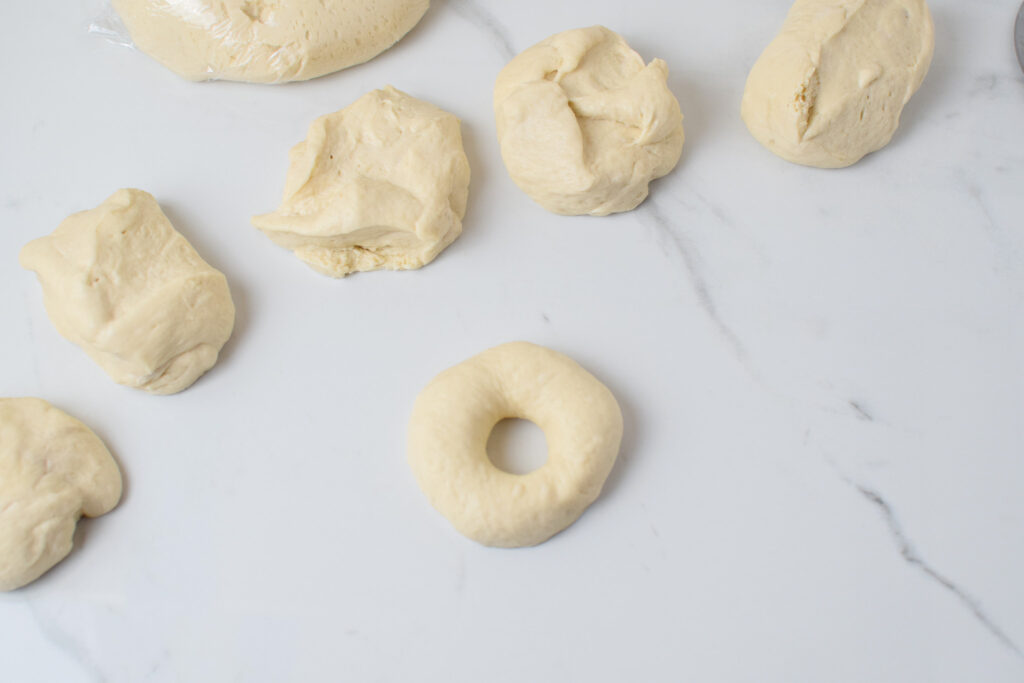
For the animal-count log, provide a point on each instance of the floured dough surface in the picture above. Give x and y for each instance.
(380, 184)
(128, 288)
(53, 470)
(266, 41)
(453, 418)
(584, 125)
(831, 86)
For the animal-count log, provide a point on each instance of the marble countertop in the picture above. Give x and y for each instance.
(821, 373)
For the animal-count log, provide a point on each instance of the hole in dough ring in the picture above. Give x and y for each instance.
(455, 413)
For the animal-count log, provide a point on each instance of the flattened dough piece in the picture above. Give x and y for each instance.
(453, 418)
(584, 126)
(266, 41)
(380, 184)
(123, 284)
(830, 87)
(53, 470)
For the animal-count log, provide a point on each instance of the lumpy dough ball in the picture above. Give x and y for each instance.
(584, 125)
(53, 470)
(830, 87)
(266, 41)
(123, 284)
(381, 184)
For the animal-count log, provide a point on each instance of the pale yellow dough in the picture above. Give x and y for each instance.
(830, 87)
(53, 470)
(584, 125)
(380, 184)
(454, 415)
(128, 288)
(266, 41)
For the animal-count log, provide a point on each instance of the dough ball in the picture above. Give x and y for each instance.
(123, 284)
(831, 86)
(584, 126)
(266, 41)
(53, 470)
(380, 184)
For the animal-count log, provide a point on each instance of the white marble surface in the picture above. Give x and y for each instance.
(821, 373)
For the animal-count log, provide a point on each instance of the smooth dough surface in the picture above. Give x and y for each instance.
(584, 125)
(266, 41)
(453, 418)
(128, 288)
(53, 470)
(830, 87)
(382, 183)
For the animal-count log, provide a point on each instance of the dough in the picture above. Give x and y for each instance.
(380, 184)
(266, 41)
(455, 413)
(53, 470)
(830, 88)
(123, 284)
(584, 126)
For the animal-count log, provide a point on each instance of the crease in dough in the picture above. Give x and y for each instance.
(380, 184)
(830, 88)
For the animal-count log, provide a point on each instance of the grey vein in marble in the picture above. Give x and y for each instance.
(486, 22)
(860, 412)
(650, 212)
(680, 245)
(991, 84)
(1006, 254)
(910, 555)
(66, 643)
(715, 209)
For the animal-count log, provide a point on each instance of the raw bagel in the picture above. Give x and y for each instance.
(53, 470)
(454, 415)
(266, 41)
(584, 126)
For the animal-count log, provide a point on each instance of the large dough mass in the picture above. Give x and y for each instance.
(128, 288)
(832, 84)
(584, 125)
(380, 184)
(266, 41)
(53, 470)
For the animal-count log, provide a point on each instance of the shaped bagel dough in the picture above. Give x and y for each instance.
(584, 126)
(830, 87)
(53, 470)
(128, 288)
(454, 415)
(266, 41)
(382, 183)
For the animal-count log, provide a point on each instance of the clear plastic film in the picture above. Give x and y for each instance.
(260, 41)
(108, 25)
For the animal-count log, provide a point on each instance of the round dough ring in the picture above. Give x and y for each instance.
(453, 418)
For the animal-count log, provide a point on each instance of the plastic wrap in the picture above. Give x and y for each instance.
(260, 41)
(108, 25)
